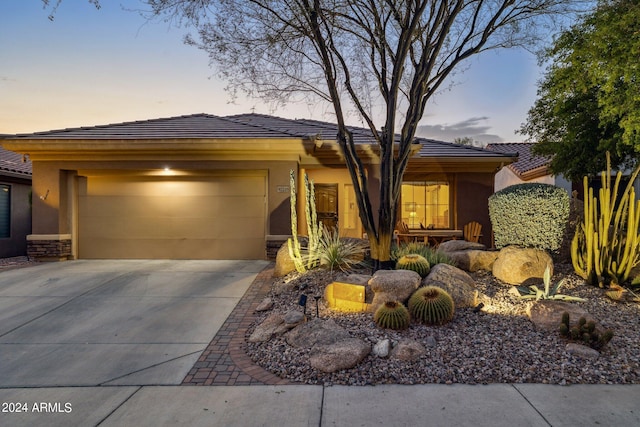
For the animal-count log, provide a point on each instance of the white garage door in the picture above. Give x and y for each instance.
(202, 217)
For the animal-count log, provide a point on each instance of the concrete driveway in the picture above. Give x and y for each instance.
(113, 322)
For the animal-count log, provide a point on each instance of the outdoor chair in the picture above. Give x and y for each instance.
(472, 231)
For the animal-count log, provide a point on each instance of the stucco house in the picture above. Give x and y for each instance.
(209, 187)
(528, 167)
(15, 203)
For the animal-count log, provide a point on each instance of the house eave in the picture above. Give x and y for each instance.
(182, 149)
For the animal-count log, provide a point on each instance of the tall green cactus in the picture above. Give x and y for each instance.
(304, 258)
(606, 245)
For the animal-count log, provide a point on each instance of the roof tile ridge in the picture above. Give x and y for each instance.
(236, 119)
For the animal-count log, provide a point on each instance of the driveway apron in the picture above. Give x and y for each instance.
(113, 322)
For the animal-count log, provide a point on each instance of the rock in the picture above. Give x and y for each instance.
(516, 265)
(431, 341)
(547, 314)
(474, 260)
(293, 318)
(459, 245)
(284, 263)
(381, 349)
(393, 285)
(317, 331)
(408, 350)
(265, 305)
(267, 329)
(356, 279)
(343, 354)
(582, 351)
(457, 283)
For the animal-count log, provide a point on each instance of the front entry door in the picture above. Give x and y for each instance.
(327, 204)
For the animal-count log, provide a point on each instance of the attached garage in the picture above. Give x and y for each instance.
(197, 216)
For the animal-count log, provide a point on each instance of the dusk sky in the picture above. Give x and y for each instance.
(90, 67)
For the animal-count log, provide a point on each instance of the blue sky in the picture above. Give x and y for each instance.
(91, 67)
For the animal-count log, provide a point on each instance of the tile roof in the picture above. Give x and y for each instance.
(11, 163)
(529, 165)
(180, 127)
(207, 126)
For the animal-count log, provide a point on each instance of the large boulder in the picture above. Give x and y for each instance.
(547, 314)
(457, 283)
(343, 354)
(474, 260)
(393, 285)
(516, 265)
(317, 331)
(284, 262)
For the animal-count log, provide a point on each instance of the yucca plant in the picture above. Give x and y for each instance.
(336, 252)
(549, 292)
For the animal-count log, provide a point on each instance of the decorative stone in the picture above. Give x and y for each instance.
(284, 263)
(393, 285)
(293, 317)
(516, 265)
(582, 351)
(431, 341)
(547, 314)
(317, 331)
(343, 354)
(459, 245)
(356, 279)
(267, 329)
(408, 350)
(265, 305)
(457, 283)
(381, 349)
(474, 260)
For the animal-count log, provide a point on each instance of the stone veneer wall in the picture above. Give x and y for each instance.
(58, 249)
(273, 245)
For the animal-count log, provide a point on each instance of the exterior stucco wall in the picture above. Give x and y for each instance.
(505, 178)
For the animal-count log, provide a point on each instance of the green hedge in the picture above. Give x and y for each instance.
(529, 215)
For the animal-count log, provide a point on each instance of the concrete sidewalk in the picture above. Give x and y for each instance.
(290, 406)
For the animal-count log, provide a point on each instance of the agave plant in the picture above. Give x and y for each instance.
(549, 292)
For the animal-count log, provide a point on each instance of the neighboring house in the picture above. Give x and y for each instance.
(209, 187)
(528, 168)
(15, 203)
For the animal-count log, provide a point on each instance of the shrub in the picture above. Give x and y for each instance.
(530, 215)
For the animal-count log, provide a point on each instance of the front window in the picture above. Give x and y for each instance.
(5, 211)
(425, 204)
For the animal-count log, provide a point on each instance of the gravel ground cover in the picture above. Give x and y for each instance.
(15, 262)
(496, 345)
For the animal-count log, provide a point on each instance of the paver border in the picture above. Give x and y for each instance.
(224, 361)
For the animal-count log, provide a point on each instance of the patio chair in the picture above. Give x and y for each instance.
(472, 231)
(403, 232)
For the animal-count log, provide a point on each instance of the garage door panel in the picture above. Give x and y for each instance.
(186, 186)
(141, 217)
(176, 249)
